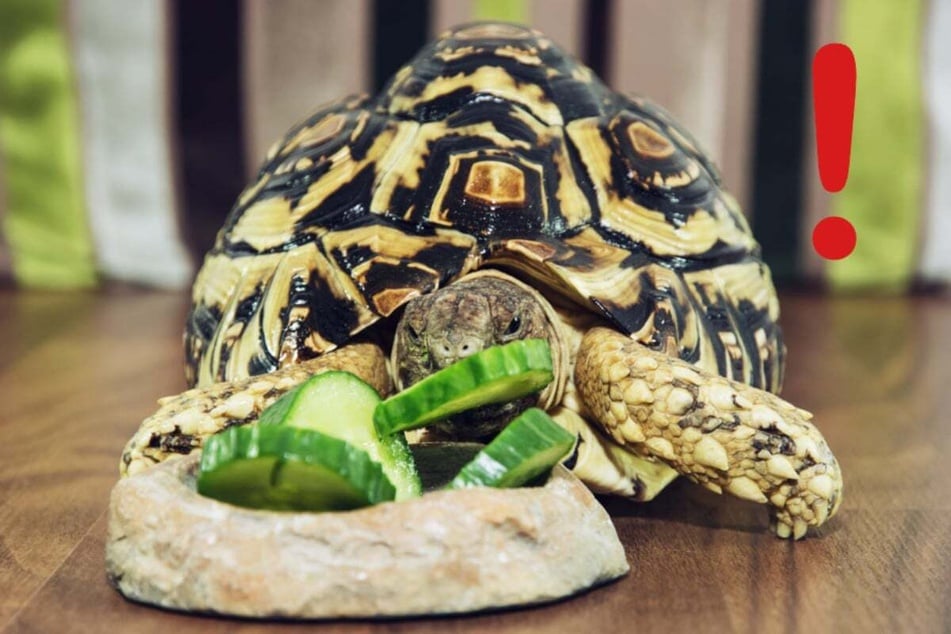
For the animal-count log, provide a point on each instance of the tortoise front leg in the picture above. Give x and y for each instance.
(606, 467)
(183, 421)
(725, 435)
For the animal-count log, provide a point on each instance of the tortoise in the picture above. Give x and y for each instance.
(497, 189)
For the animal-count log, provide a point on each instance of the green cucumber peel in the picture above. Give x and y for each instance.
(494, 375)
(340, 404)
(528, 447)
(286, 468)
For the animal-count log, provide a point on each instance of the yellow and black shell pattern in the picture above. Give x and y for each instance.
(492, 147)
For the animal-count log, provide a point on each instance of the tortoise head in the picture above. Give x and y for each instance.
(481, 310)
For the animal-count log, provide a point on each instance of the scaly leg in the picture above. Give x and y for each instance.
(725, 435)
(606, 467)
(183, 421)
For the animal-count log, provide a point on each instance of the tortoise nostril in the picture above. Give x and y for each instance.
(469, 347)
(449, 351)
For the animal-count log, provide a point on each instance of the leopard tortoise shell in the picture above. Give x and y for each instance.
(492, 147)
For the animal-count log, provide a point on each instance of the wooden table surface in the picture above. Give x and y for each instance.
(78, 372)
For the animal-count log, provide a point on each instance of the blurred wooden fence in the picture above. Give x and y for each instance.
(127, 129)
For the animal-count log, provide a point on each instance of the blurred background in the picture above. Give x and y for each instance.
(127, 129)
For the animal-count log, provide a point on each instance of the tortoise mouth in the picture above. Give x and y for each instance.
(480, 424)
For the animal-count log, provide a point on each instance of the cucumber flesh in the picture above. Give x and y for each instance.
(528, 447)
(341, 405)
(495, 375)
(285, 468)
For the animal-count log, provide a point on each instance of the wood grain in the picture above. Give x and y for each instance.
(78, 373)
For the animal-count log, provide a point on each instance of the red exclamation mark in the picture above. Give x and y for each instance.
(833, 95)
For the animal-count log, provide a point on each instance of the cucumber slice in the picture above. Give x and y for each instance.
(528, 447)
(340, 404)
(289, 469)
(494, 375)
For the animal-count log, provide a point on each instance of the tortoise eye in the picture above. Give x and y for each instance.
(413, 335)
(514, 326)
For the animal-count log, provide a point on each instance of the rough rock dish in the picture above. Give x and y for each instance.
(445, 552)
